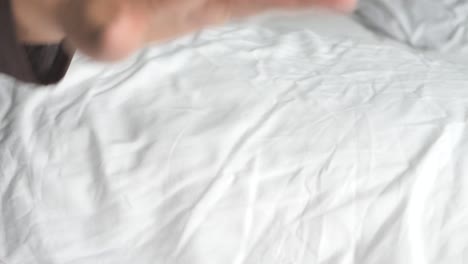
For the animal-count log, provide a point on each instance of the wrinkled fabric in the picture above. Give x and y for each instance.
(431, 25)
(286, 139)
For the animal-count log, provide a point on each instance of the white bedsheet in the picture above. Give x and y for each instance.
(280, 140)
(439, 26)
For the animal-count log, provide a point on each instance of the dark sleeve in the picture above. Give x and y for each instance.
(41, 64)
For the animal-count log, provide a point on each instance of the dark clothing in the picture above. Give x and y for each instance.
(41, 64)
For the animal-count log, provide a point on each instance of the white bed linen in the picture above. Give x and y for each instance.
(280, 140)
(436, 26)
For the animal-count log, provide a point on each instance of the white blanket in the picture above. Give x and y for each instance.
(287, 139)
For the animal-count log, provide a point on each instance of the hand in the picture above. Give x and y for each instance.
(113, 29)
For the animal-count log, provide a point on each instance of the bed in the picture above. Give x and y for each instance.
(288, 138)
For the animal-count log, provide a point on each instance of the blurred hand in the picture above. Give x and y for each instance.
(113, 29)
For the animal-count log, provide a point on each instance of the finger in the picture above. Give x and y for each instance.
(338, 5)
(334, 4)
(242, 8)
